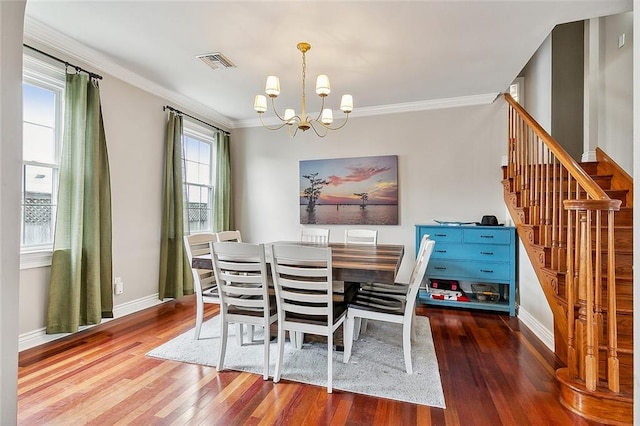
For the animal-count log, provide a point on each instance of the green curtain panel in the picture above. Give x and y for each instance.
(223, 204)
(175, 271)
(81, 269)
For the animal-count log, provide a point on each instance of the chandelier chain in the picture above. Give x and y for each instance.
(303, 115)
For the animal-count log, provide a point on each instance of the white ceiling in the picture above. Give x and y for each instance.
(390, 55)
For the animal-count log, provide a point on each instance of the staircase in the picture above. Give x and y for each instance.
(575, 221)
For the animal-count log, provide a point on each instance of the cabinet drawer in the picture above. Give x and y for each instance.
(487, 236)
(498, 253)
(477, 271)
(443, 233)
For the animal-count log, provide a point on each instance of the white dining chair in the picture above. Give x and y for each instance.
(243, 284)
(234, 236)
(361, 236)
(314, 235)
(396, 308)
(302, 277)
(204, 281)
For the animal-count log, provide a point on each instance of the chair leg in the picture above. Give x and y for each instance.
(250, 332)
(224, 331)
(406, 346)
(239, 331)
(356, 328)
(414, 333)
(330, 363)
(276, 375)
(267, 339)
(364, 325)
(199, 317)
(348, 331)
(299, 339)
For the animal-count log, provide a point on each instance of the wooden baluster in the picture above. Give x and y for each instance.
(586, 283)
(556, 206)
(613, 364)
(548, 241)
(597, 284)
(535, 183)
(572, 361)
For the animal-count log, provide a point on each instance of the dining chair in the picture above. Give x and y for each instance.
(396, 308)
(361, 236)
(302, 277)
(204, 281)
(314, 235)
(243, 284)
(229, 236)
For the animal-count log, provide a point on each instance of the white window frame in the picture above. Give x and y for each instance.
(52, 77)
(203, 134)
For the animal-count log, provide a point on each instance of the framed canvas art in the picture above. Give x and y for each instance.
(349, 191)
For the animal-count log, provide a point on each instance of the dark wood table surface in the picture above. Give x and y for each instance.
(359, 263)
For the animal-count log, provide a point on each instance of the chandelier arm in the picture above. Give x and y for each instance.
(311, 124)
(340, 126)
(271, 128)
(320, 113)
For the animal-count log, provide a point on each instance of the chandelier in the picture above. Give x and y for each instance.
(320, 124)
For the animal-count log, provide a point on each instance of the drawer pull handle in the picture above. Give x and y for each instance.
(440, 268)
(487, 252)
(489, 271)
(441, 251)
(486, 236)
(439, 235)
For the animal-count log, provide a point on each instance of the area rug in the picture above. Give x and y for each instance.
(376, 367)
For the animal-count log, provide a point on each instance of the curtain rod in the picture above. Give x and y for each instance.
(177, 111)
(67, 64)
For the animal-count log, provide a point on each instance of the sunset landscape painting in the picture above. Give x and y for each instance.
(349, 191)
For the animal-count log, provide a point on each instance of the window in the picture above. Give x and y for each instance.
(198, 153)
(43, 96)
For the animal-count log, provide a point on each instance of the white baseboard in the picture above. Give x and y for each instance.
(38, 337)
(545, 335)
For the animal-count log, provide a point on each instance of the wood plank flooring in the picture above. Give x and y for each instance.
(494, 372)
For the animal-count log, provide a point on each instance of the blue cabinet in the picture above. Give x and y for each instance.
(473, 255)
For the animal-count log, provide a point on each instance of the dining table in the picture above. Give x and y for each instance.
(352, 264)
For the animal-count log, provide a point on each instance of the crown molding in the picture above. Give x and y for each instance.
(38, 32)
(461, 101)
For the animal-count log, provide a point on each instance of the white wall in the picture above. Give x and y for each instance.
(448, 164)
(11, 28)
(617, 96)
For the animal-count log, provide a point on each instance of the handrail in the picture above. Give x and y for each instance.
(572, 218)
(569, 163)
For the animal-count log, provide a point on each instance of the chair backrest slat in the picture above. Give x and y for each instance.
(241, 271)
(314, 235)
(419, 269)
(200, 245)
(232, 236)
(361, 236)
(302, 277)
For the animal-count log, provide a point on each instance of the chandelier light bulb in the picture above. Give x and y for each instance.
(327, 116)
(323, 88)
(346, 104)
(272, 88)
(260, 103)
(289, 114)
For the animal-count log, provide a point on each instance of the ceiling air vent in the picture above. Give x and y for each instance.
(216, 60)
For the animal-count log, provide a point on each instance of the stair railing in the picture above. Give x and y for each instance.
(567, 205)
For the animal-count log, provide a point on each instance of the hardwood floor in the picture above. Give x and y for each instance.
(494, 372)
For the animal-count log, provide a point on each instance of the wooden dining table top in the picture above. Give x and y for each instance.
(360, 263)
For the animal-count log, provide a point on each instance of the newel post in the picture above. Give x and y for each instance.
(585, 289)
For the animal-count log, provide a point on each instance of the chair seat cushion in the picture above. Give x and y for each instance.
(397, 288)
(254, 312)
(339, 308)
(379, 302)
